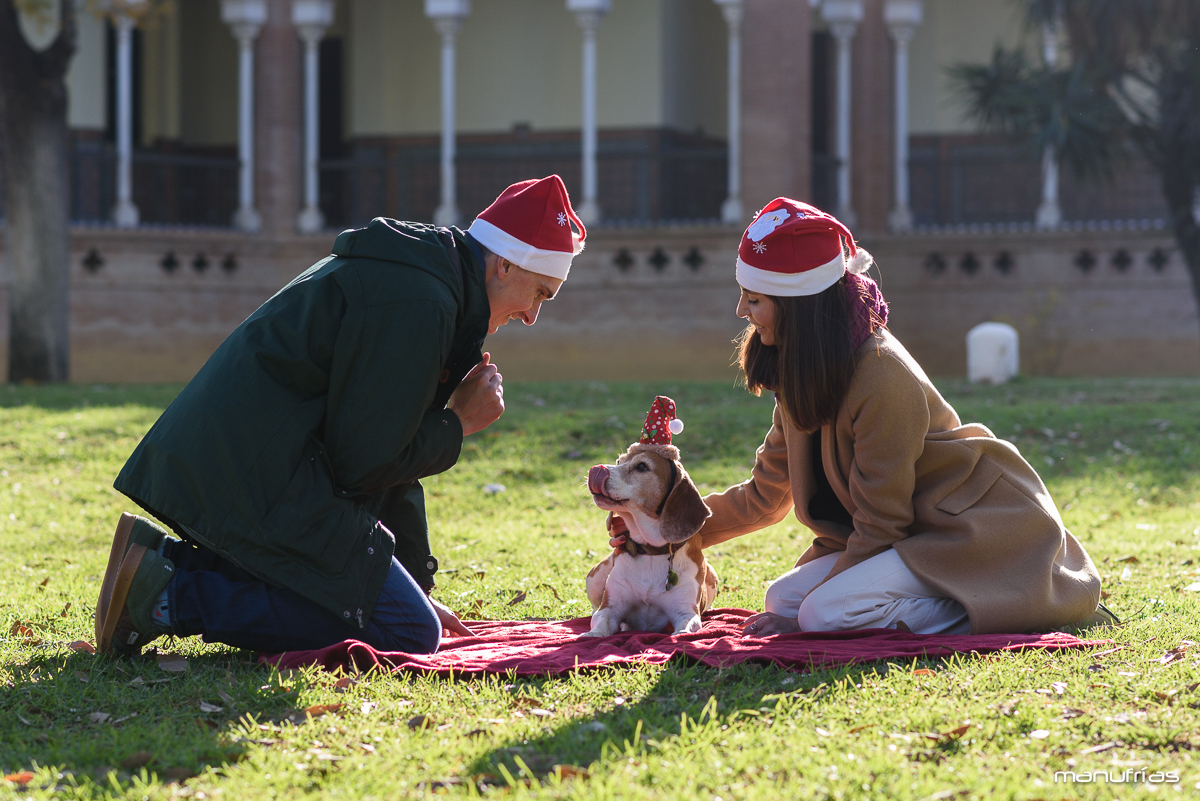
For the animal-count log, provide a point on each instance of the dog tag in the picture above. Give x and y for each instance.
(672, 579)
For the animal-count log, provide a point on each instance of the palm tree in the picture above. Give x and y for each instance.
(33, 150)
(1132, 82)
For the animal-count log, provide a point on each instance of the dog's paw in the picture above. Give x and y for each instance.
(594, 633)
(691, 626)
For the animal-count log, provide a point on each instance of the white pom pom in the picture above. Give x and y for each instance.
(860, 262)
(676, 426)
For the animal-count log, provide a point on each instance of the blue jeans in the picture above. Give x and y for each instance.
(218, 600)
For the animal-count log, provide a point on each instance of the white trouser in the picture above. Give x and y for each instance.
(877, 593)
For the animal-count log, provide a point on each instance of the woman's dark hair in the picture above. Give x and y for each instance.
(810, 365)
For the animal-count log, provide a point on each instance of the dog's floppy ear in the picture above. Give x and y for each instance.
(684, 512)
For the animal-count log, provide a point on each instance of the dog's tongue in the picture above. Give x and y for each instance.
(596, 478)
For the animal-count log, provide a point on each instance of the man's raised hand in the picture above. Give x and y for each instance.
(479, 399)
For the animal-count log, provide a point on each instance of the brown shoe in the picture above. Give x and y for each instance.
(131, 530)
(129, 624)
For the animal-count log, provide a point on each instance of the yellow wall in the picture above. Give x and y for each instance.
(160, 75)
(208, 83)
(86, 93)
(659, 62)
(953, 31)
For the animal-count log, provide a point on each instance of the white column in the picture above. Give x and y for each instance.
(588, 14)
(731, 209)
(245, 18)
(1049, 213)
(447, 16)
(125, 213)
(843, 17)
(311, 18)
(902, 18)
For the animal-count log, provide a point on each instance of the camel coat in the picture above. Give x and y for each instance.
(963, 509)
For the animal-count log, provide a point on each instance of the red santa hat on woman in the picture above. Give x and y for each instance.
(794, 249)
(530, 225)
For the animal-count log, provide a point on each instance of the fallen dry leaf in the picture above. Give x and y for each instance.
(23, 632)
(1039, 734)
(317, 710)
(173, 663)
(1069, 713)
(79, 674)
(541, 713)
(860, 728)
(421, 722)
(344, 684)
(139, 759)
(922, 672)
(207, 707)
(177, 774)
(370, 749)
(822, 732)
(226, 697)
(571, 772)
(66, 609)
(82, 647)
(1131, 559)
(518, 598)
(959, 732)
(99, 717)
(24, 777)
(1096, 749)
(45, 581)
(475, 732)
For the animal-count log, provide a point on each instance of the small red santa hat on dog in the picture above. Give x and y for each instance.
(530, 225)
(794, 249)
(661, 422)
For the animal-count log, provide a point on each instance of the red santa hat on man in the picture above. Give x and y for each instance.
(794, 249)
(530, 225)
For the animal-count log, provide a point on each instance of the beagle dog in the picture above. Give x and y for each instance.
(660, 577)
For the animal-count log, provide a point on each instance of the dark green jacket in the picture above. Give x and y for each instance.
(296, 451)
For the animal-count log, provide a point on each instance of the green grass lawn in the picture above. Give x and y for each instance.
(1120, 458)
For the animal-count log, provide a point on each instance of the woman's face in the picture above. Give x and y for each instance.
(760, 311)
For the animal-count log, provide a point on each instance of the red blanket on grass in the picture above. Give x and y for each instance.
(538, 648)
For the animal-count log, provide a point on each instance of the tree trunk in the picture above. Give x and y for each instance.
(1179, 145)
(33, 145)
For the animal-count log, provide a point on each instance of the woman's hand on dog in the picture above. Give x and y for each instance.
(765, 624)
(479, 399)
(617, 529)
(450, 621)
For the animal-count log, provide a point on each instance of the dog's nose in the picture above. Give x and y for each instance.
(596, 478)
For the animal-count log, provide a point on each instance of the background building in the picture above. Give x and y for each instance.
(845, 103)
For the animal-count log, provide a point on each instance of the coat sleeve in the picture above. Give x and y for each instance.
(889, 416)
(762, 501)
(380, 429)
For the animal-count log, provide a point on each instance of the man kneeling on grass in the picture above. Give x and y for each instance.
(290, 466)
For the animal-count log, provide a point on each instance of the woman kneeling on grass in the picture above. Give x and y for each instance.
(922, 523)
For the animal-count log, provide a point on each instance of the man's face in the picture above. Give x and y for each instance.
(516, 294)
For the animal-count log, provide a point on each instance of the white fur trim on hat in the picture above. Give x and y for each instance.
(553, 263)
(790, 285)
(860, 262)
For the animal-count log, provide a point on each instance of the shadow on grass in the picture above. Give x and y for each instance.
(61, 397)
(690, 705)
(101, 722)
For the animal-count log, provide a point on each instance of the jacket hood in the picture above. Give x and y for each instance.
(412, 244)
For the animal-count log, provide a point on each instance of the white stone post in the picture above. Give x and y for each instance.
(843, 17)
(125, 213)
(245, 18)
(311, 18)
(731, 209)
(902, 18)
(1049, 213)
(447, 16)
(588, 14)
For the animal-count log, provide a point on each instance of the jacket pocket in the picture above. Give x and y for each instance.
(966, 494)
(310, 521)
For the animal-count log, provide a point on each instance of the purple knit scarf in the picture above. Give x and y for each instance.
(868, 308)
